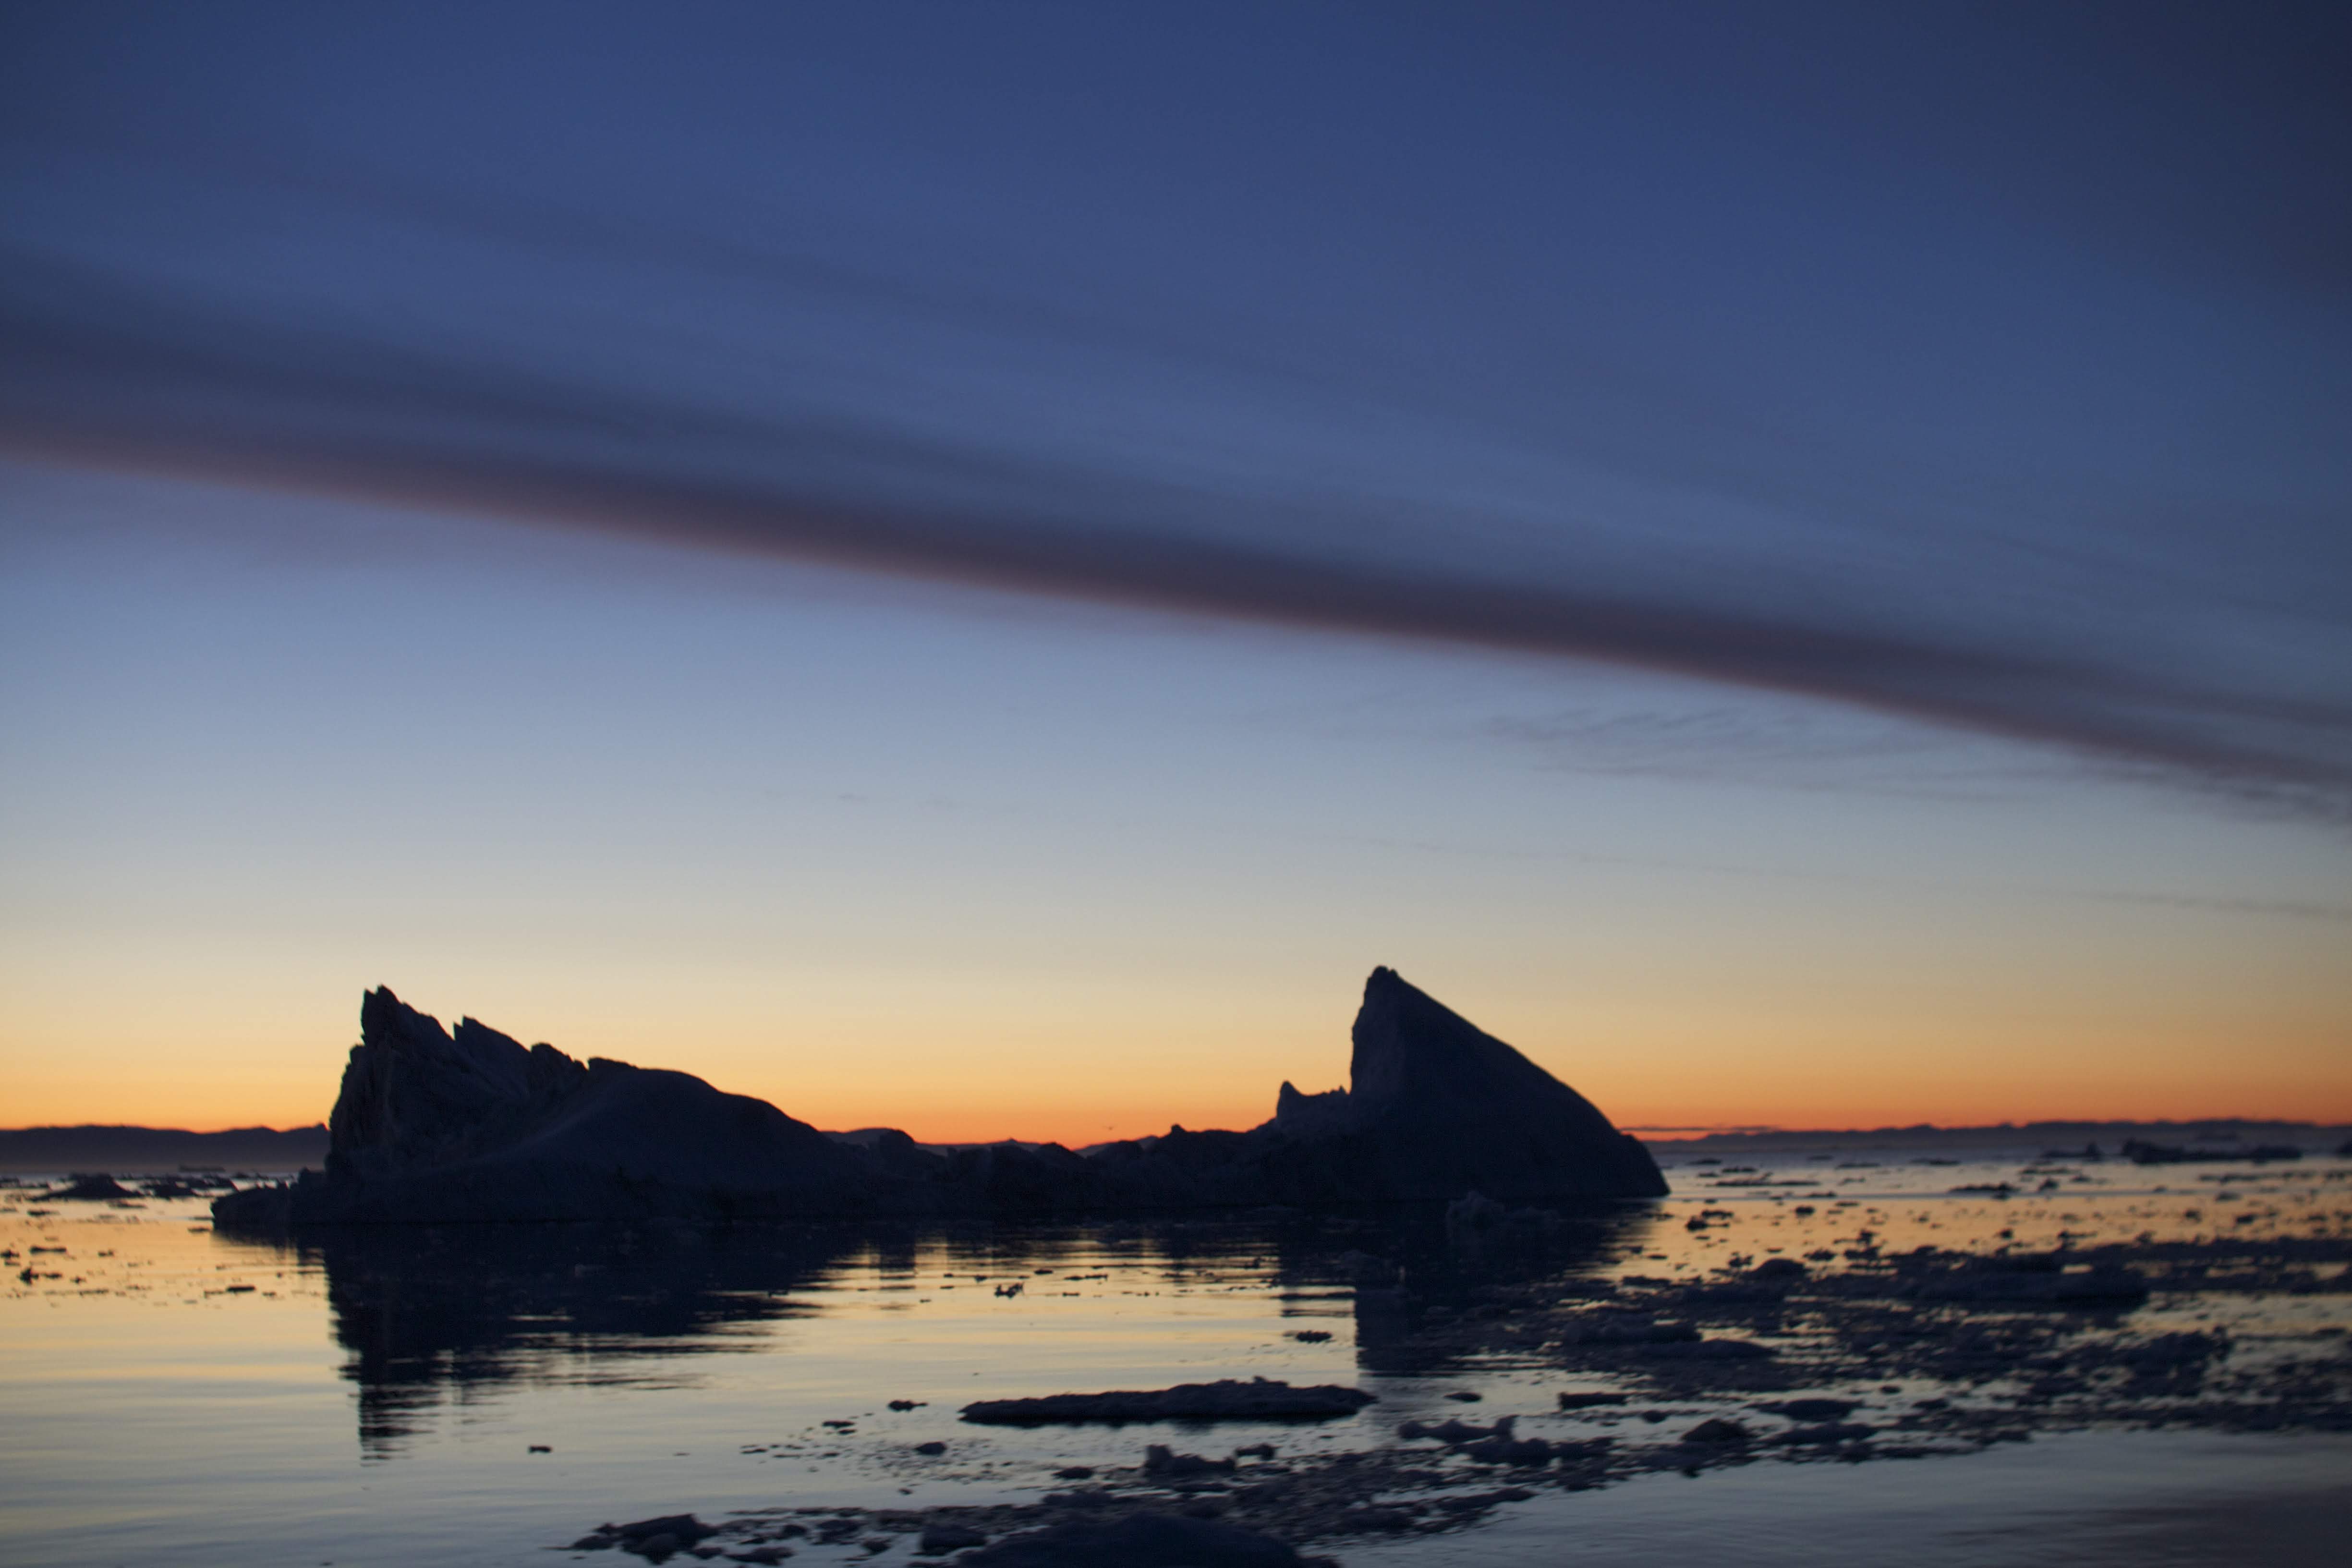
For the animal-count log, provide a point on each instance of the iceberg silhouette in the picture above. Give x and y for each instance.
(435, 1125)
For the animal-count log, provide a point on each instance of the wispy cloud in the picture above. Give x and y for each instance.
(95, 372)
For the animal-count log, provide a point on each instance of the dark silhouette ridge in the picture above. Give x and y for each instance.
(435, 1125)
(128, 1149)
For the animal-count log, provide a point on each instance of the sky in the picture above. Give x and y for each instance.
(976, 568)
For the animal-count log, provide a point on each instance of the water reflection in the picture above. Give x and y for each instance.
(1452, 1272)
(435, 1315)
(429, 1313)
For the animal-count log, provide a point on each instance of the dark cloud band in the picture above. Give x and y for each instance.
(95, 372)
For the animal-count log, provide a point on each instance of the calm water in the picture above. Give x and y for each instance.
(179, 1395)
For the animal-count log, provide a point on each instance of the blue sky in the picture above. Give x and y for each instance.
(1745, 532)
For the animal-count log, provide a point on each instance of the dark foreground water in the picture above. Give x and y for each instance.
(173, 1396)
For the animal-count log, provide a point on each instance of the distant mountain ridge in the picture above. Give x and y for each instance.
(2311, 1136)
(127, 1148)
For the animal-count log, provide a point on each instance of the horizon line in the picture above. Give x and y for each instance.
(1692, 1131)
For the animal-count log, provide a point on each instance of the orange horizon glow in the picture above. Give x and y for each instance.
(1081, 1055)
(987, 1106)
(1076, 1128)
(1677, 1133)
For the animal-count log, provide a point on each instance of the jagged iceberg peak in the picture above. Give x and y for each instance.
(496, 1062)
(413, 1088)
(1453, 1106)
(1413, 1054)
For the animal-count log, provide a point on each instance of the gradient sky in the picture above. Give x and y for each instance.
(977, 567)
